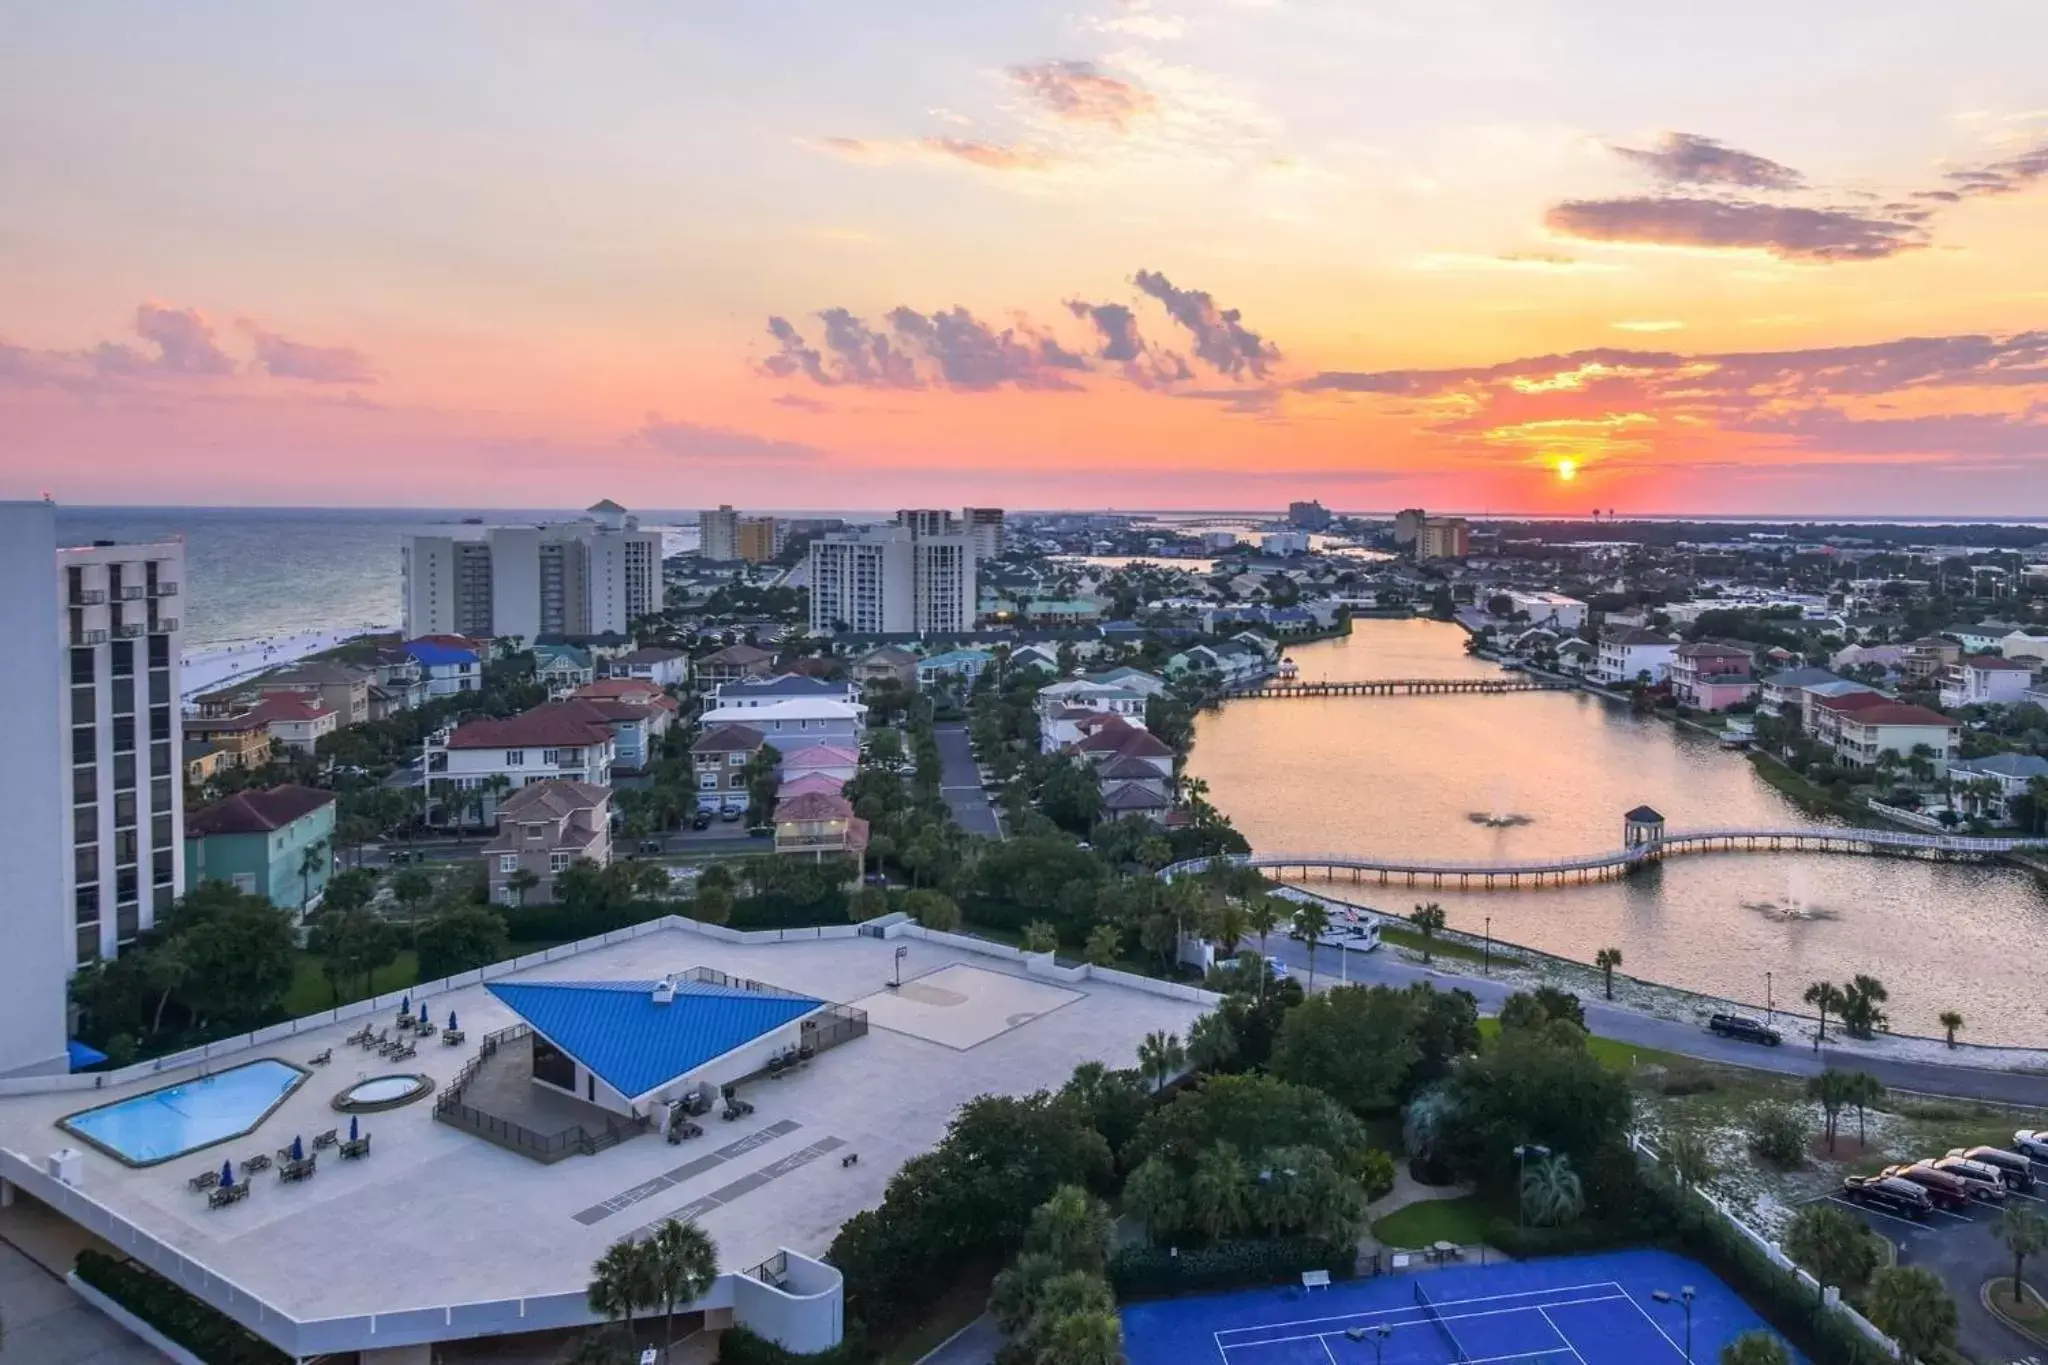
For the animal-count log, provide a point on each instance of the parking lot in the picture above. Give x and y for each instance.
(1963, 1247)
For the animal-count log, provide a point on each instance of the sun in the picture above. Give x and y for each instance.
(1567, 469)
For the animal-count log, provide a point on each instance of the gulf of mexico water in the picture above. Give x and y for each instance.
(264, 573)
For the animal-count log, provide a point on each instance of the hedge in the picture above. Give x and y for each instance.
(198, 1327)
(1144, 1271)
(738, 1346)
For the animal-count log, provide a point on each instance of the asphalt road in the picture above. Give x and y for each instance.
(1964, 1249)
(1387, 967)
(961, 785)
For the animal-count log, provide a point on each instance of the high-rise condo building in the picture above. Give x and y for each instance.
(985, 530)
(718, 535)
(758, 539)
(35, 912)
(927, 521)
(117, 617)
(892, 580)
(588, 577)
(1443, 538)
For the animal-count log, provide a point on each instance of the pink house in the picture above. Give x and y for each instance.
(1712, 677)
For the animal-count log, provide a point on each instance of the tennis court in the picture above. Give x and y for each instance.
(1578, 1310)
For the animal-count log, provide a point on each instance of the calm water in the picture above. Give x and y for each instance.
(1405, 775)
(254, 573)
(160, 1124)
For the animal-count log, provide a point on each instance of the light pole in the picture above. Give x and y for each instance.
(1486, 958)
(1770, 1006)
(1685, 1298)
(1522, 1154)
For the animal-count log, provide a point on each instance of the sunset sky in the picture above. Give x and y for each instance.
(1534, 255)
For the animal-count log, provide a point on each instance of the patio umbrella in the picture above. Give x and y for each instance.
(298, 1149)
(451, 1019)
(352, 1128)
(405, 1005)
(227, 1173)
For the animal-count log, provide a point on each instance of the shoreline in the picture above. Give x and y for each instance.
(214, 666)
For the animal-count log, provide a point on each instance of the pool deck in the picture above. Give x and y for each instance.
(436, 1215)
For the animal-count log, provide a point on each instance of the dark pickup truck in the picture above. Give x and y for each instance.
(1748, 1030)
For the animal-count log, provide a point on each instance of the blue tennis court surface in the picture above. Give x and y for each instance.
(1578, 1310)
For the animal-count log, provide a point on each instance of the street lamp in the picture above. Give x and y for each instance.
(1522, 1154)
(1770, 1006)
(1685, 1298)
(1486, 960)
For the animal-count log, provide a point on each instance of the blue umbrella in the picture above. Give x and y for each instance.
(352, 1128)
(298, 1149)
(405, 1005)
(451, 1019)
(227, 1174)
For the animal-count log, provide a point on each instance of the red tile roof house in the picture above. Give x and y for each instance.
(560, 739)
(1825, 716)
(1864, 733)
(542, 828)
(719, 758)
(297, 720)
(637, 722)
(819, 825)
(1710, 677)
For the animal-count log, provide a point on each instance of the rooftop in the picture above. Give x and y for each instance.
(491, 1224)
(256, 812)
(555, 725)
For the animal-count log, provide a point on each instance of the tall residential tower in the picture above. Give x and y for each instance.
(586, 577)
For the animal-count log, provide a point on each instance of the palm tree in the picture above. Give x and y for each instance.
(683, 1265)
(1040, 937)
(1092, 1338)
(1863, 1091)
(1552, 1194)
(1311, 922)
(1211, 1042)
(1607, 959)
(1160, 1056)
(1105, 944)
(1913, 1308)
(1261, 917)
(164, 968)
(622, 1282)
(312, 861)
(521, 882)
(1831, 1090)
(2025, 1233)
(1428, 919)
(1690, 1159)
(1950, 1022)
(1756, 1348)
(1826, 999)
(1220, 1191)
(1224, 925)
(1073, 1228)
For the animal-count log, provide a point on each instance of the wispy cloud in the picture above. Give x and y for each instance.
(989, 156)
(1689, 159)
(284, 358)
(1649, 325)
(1789, 232)
(1081, 93)
(178, 347)
(694, 441)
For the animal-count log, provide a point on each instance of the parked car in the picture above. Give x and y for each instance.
(2017, 1170)
(1983, 1182)
(1902, 1197)
(732, 815)
(650, 845)
(701, 820)
(1744, 1029)
(1946, 1191)
(2033, 1142)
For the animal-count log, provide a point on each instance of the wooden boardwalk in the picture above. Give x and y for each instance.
(1508, 875)
(1392, 687)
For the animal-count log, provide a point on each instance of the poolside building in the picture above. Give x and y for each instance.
(475, 1214)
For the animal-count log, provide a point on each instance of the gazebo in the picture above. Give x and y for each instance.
(1643, 825)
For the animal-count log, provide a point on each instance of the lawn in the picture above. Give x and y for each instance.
(1462, 1221)
(310, 993)
(1413, 941)
(1612, 1053)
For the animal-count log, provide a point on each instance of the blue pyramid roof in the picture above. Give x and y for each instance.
(635, 1045)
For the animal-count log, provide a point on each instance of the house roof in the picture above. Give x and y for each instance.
(434, 654)
(558, 724)
(1129, 768)
(820, 756)
(791, 686)
(892, 656)
(722, 739)
(804, 785)
(313, 673)
(651, 655)
(1800, 677)
(789, 708)
(1853, 703)
(257, 812)
(555, 797)
(813, 806)
(1634, 635)
(1135, 744)
(1900, 713)
(1644, 815)
(738, 656)
(573, 655)
(959, 658)
(291, 707)
(1132, 796)
(2003, 765)
(635, 690)
(1703, 650)
(635, 1045)
(1992, 663)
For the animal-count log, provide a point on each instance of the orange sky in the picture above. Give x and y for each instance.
(1226, 253)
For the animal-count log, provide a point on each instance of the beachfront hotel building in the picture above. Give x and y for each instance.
(916, 577)
(588, 577)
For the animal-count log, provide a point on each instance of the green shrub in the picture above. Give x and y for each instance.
(1778, 1135)
(198, 1327)
(738, 1346)
(558, 924)
(1155, 1272)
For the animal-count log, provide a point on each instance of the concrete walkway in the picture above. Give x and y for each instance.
(1407, 1191)
(974, 1344)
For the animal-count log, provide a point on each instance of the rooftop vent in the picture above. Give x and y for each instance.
(665, 991)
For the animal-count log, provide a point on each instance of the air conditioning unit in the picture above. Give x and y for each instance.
(665, 991)
(66, 1164)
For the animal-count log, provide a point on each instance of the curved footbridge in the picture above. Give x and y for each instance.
(1647, 844)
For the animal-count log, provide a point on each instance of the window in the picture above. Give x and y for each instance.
(85, 824)
(736, 760)
(550, 756)
(160, 651)
(535, 833)
(85, 865)
(81, 666)
(84, 742)
(245, 882)
(88, 942)
(124, 734)
(85, 783)
(124, 658)
(85, 902)
(515, 758)
(124, 847)
(707, 782)
(558, 862)
(508, 863)
(124, 809)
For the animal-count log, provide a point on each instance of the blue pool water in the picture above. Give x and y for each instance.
(177, 1119)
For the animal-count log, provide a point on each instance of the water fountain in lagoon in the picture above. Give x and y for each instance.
(1795, 904)
(1497, 815)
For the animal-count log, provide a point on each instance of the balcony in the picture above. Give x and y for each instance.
(88, 637)
(129, 592)
(89, 597)
(130, 630)
(163, 590)
(164, 625)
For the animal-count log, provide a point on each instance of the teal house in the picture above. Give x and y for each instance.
(277, 843)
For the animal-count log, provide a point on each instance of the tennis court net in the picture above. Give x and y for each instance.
(1429, 1310)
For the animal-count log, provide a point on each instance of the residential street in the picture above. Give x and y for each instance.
(960, 784)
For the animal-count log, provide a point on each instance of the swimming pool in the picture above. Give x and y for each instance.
(161, 1125)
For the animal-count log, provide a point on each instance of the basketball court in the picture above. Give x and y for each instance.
(962, 1006)
(1585, 1310)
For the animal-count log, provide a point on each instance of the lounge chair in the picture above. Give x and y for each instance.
(205, 1180)
(260, 1162)
(326, 1139)
(406, 1053)
(361, 1037)
(296, 1170)
(453, 1037)
(322, 1058)
(220, 1196)
(360, 1147)
(423, 1029)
